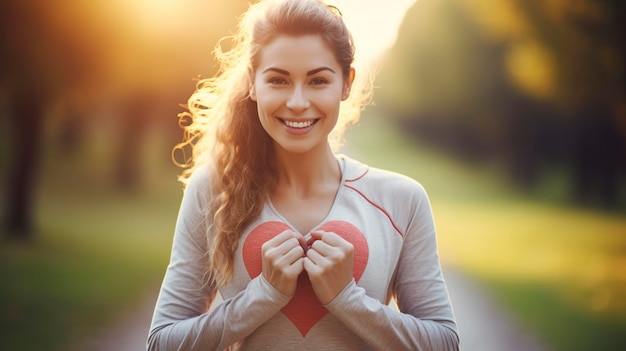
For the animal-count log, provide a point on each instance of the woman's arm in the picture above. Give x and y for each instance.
(425, 320)
(181, 319)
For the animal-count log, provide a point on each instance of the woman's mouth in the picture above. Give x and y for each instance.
(299, 124)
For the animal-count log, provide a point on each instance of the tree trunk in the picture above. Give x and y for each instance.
(26, 119)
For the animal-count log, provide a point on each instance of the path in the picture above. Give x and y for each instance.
(129, 334)
(484, 325)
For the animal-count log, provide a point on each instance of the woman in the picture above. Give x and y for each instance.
(306, 248)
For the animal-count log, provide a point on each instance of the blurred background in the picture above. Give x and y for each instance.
(512, 114)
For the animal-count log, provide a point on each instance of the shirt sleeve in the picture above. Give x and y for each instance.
(182, 320)
(424, 319)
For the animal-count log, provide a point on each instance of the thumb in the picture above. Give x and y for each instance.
(316, 235)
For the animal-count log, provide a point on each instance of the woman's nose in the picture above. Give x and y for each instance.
(298, 100)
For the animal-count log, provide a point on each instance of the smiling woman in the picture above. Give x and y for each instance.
(303, 245)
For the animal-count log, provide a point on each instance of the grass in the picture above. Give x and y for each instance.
(561, 269)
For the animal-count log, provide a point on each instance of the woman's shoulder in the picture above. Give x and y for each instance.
(197, 190)
(363, 175)
(399, 196)
(200, 179)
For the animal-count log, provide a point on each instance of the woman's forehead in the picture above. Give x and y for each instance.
(300, 53)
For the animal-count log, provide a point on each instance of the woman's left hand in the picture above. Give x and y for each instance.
(329, 264)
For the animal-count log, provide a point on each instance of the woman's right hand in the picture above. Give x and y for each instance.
(283, 258)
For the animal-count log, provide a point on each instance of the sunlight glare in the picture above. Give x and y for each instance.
(374, 25)
(158, 17)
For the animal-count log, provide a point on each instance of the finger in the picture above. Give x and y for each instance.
(277, 254)
(286, 246)
(303, 242)
(311, 267)
(277, 241)
(315, 256)
(295, 268)
(293, 255)
(328, 237)
(333, 239)
(323, 248)
(281, 237)
(316, 235)
(329, 252)
(298, 264)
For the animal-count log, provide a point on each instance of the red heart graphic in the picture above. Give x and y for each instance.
(304, 310)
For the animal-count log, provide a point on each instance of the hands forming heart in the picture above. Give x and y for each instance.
(264, 253)
(325, 256)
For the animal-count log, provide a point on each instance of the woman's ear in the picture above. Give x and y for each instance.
(347, 85)
(252, 92)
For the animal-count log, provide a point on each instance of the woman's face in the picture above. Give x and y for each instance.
(298, 87)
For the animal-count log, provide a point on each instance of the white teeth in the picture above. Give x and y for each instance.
(299, 124)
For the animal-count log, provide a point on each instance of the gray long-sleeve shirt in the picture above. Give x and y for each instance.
(388, 219)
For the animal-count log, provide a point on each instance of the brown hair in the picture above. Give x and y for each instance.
(225, 132)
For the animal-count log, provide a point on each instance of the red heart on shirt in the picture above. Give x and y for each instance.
(304, 310)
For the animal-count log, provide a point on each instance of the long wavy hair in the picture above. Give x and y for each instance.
(222, 126)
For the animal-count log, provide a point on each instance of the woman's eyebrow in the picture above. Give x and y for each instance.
(317, 70)
(278, 70)
(309, 73)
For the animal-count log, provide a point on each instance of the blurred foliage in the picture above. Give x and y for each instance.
(538, 86)
(110, 70)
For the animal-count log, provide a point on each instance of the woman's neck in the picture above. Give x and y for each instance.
(307, 173)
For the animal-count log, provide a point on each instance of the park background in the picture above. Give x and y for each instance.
(511, 114)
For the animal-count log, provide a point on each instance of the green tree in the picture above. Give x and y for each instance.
(536, 84)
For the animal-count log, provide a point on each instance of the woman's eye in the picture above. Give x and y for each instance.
(319, 81)
(277, 81)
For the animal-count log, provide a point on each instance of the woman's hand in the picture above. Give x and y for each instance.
(329, 264)
(283, 257)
